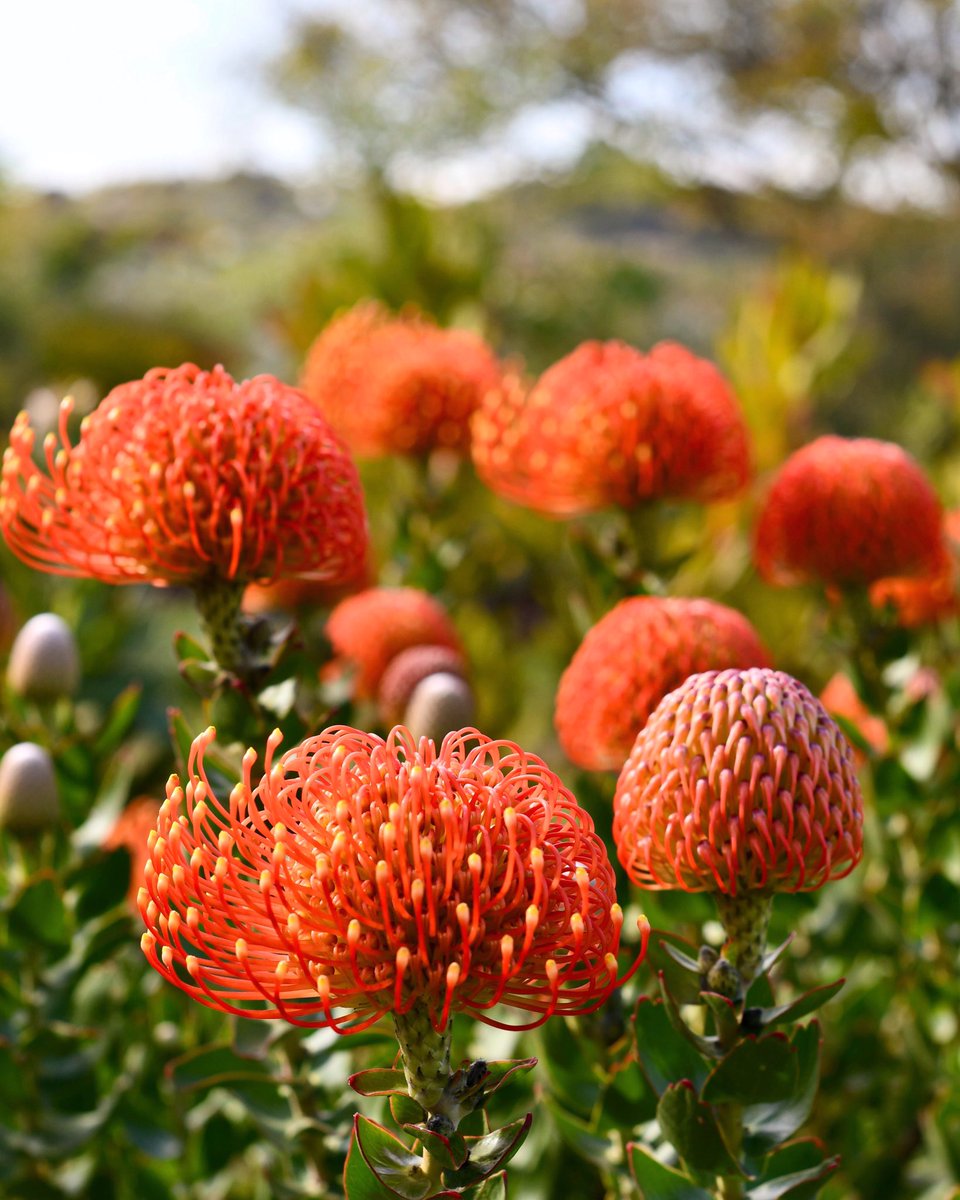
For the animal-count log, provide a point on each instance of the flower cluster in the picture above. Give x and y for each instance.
(363, 876)
(739, 782)
(609, 425)
(186, 477)
(849, 511)
(398, 385)
(633, 656)
(371, 628)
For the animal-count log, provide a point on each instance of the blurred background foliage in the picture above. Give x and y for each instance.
(788, 207)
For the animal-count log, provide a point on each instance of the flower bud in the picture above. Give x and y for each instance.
(28, 790)
(44, 660)
(439, 704)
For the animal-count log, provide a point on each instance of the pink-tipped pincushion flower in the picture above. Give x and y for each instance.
(740, 784)
(642, 649)
(371, 628)
(398, 385)
(364, 876)
(186, 477)
(847, 512)
(608, 425)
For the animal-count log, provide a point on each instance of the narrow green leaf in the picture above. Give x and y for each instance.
(664, 1057)
(489, 1153)
(656, 1181)
(579, 1134)
(379, 1081)
(120, 718)
(797, 1009)
(212, 1065)
(705, 1046)
(798, 1185)
(494, 1187)
(692, 1129)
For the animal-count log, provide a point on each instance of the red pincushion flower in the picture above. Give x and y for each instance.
(849, 511)
(363, 876)
(642, 649)
(609, 425)
(186, 477)
(739, 782)
(924, 599)
(372, 627)
(398, 385)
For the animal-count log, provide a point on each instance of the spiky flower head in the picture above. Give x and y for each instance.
(740, 781)
(372, 627)
(609, 425)
(187, 477)
(849, 511)
(398, 385)
(362, 876)
(633, 656)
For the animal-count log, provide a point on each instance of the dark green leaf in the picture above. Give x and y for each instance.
(664, 1057)
(120, 718)
(799, 1008)
(579, 1134)
(451, 1151)
(212, 1065)
(657, 1181)
(705, 1046)
(102, 885)
(378, 1162)
(756, 1071)
(692, 1129)
(37, 914)
(379, 1081)
(767, 1125)
(494, 1187)
(797, 1185)
(489, 1153)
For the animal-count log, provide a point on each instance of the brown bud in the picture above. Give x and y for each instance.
(439, 704)
(28, 790)
(44, 661)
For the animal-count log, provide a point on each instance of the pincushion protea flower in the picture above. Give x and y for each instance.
(849, 511)
(372, 627)
(924, 599)
(398, 385)
(642, 649)
(131, 831)
(364, 876)
(609, 425)
(839, 697)
(187, 477)
(740, 784)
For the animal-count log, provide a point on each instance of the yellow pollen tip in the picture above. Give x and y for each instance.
(383, 872)
(553, 971)
(463, 913)
(576, 924)
(610, 962)
(240, 949)
(533, 916)
(192, 964)
(403, 958)
(475, 863)
(166, 957)
(148, 942)
(353, 932)
(236, 517)
(453, 975)
(616, 915)
(266, 881)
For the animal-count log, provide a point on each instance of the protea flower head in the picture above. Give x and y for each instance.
(740, 781)
(633, 656)
(363, 876)
(187, 477)
(372, 627)
(609, 425)
(398, 385)
(925, 599)
(847, 512)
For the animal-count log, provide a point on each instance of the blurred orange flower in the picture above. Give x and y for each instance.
(372, 627)
(133, 827)
(739, 782)
(398, 385)
(363, 876)
(609, 425)
(187, 477)
(924, 599)
(849, 511)
(839, 697)
(642, 649)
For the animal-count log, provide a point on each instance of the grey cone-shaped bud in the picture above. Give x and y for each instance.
(439, 704)
(44, 660)
(28, 790)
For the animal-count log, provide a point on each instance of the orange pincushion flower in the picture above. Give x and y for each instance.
(924, 599)
(372, 627)
(849, 511)
(398, 385)
(363, 876)
(839, 697)
(739, 781)
(131, 831)
(609, 425)
(185, 477)
(642, 649)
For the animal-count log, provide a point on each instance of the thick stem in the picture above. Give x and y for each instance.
(425, 1055)
(218, 601)
(745, 917)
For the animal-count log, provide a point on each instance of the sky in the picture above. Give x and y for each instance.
(107, 91)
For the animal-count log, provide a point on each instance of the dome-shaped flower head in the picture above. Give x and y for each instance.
(398, 385)
(371, 628)
(363, 876)
(642, 649)
(609, 425)
(924, 599)
(187, 477)
(849, 511)
(739, 782)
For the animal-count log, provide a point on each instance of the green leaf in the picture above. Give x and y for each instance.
(796, 1185)
(451, 1151)
(501, 1069)
(657, 1181)
(691, 1127)
(767, 1125)
(38, 914)
(212, 1065)
(494, 1187)
(120, 719)
(797, 1009)
(664, 1057)
(488, 1153)
(774, 956)
(182, 737)
(571, 1067)
(756, 1071)
(185, 646)
(579, 1134)
(379, 1081)
(405, 1111)
(707, 1047)
(379, 1164)
(675, 961)
(102, 885)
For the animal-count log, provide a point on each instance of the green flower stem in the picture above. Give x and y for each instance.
(745, 917)
(425, 1055)
(730, 1120)
(218, 601)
